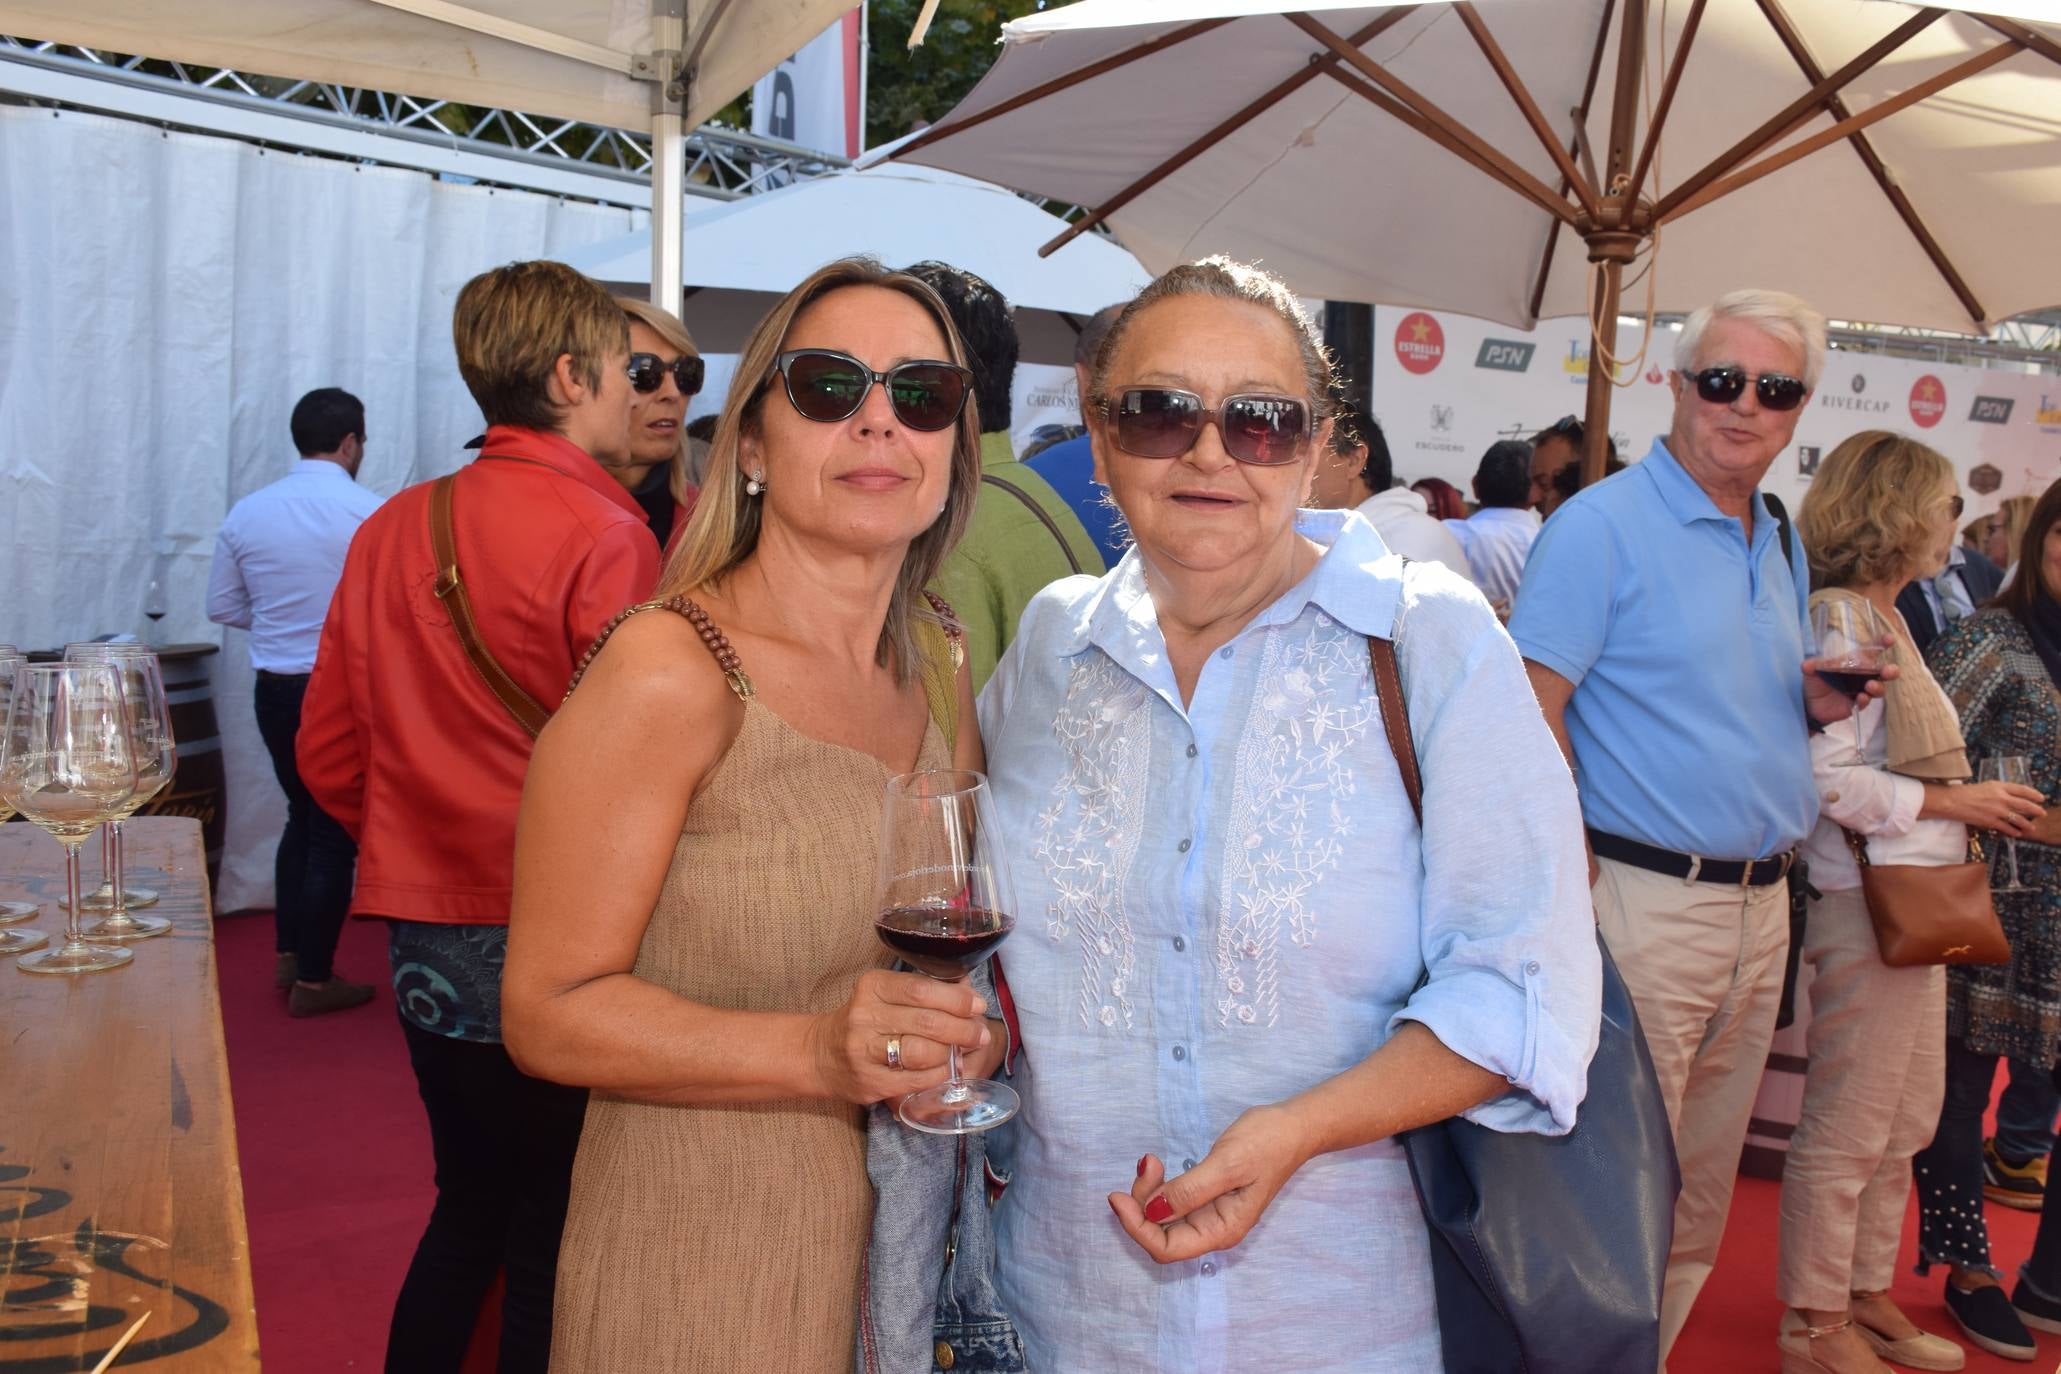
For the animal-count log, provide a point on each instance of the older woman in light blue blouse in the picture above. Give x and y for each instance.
(1225, 905)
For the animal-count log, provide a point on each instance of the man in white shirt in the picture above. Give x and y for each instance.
(277, 560)
(1358, 472)
(1498, 536)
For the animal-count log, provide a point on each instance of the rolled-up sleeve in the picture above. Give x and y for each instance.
(1513, 977)
(1853, 792)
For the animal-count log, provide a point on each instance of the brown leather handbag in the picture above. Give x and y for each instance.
(1931, 914)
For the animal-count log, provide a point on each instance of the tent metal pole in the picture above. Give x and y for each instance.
(668, 151)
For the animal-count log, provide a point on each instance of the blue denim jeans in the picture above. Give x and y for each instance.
(2025, 1114)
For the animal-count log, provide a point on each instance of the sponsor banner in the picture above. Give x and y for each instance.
(1928, 401)
(1440, 419)
(812, 98)
(1505, 355)
(1419, 343)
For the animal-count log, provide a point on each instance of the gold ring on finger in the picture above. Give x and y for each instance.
(894, 1051)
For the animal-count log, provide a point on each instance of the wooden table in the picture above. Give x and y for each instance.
(120, 1191)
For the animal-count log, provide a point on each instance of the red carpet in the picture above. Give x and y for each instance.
(336, 1180)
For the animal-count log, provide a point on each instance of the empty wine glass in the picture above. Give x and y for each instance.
(13, 913)
(945, 906)
(69, 767)
(150, 740)
(2008, 768)
(102, 898)
(1849, 650)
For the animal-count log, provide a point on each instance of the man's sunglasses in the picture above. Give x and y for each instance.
(827, 386)
(1164, 422)
(648, 373)
(1723, 385)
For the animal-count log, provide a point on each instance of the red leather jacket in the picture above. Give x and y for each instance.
(400, 740)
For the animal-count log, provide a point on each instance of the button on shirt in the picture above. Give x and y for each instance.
(278, 557)
(1224, 904)
(1685, 646)
(1498, 540)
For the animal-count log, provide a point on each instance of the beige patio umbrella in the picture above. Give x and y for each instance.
(1514, 159)
(661, 66)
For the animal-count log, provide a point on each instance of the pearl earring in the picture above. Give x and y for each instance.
(753, 486)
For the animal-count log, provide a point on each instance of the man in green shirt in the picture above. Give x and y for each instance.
(1023, 535)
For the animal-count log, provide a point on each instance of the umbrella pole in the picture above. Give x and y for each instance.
(1602, 349)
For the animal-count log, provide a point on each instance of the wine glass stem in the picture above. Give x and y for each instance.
(2011, 853)
(119, 912)
(108, 861)
(73, 932)
(955, 1089)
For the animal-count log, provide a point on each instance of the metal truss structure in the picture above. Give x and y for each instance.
(501, 147)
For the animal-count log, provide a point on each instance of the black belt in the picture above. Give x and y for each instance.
(1693, 867)
(284, 677)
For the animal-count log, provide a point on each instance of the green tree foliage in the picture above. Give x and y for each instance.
(904, 88)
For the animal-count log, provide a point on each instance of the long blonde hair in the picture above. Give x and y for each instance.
(673, 330)
(1873, 509)
(724, 529)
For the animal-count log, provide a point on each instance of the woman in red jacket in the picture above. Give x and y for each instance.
(404, 741)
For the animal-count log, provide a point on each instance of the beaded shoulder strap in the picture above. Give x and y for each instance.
(717, 642)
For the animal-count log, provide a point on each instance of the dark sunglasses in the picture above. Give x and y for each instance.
(828, 386)
(1164, 422)
(1723, 385)
(1566, 427)
(648, 373)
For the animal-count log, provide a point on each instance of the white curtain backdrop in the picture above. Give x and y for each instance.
(164, 300)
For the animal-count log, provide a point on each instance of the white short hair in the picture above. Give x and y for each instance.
(1779, 315)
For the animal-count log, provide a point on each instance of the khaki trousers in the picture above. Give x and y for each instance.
(1703, 964)
(1871, 1097)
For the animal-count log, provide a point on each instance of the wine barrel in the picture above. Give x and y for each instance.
(200, 789)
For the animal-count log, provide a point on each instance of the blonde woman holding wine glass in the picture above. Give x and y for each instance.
(68, 768)
(1878, 514)
(693, 929)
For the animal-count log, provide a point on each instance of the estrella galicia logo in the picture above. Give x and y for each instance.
(1504, 355)
(1992, 410)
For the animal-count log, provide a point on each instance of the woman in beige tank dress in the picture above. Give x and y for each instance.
(692, 934)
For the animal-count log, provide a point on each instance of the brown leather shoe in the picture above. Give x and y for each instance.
(288, 969)
(332, 995)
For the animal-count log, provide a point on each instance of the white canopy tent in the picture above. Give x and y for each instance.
(745, 253)
(657, 65)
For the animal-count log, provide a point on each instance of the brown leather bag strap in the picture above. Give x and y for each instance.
(1395, 720)
(1044, 518)
(450, 590)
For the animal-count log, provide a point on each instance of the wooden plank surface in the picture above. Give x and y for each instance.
(120, 1190)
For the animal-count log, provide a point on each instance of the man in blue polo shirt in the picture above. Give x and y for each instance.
(1665, 633)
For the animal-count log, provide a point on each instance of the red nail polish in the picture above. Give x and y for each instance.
(1141, 1164)
(1159, 1209)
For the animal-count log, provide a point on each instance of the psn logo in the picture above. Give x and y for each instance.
(1441, 419)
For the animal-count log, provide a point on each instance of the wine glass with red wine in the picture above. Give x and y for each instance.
(1849, 651)
(945, 906)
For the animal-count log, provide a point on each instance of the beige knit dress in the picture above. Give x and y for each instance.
(731, 1237)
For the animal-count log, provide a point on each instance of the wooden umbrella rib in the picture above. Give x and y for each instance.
(1387, 104)
(1514, 84)
(1479, 152)
(1792, 38)
(1846, 128)
(1581, 120)
(1061, 83)
(2023, 36)
(1797, 112)
(1666, 100)
(1266, 101)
